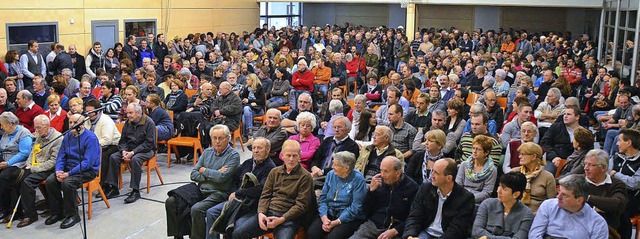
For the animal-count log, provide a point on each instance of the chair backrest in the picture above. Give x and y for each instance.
(190, 92)
(170, 112)
(502, 101)
(473, 97)
(120, 126)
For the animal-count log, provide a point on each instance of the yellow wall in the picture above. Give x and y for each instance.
(184, 17)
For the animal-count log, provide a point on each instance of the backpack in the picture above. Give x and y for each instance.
(189, 126)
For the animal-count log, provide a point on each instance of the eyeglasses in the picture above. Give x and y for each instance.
(218, 139)
(589, 165)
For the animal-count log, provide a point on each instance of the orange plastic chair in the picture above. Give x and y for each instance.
(190, 93)
(299, 235)
(560, 166)
(192, 142)
(502, 101)
(237, 135)
(263, 117)
(92, 186)
(284, 109)
(473, 97)
(635, 221)
(151, 164)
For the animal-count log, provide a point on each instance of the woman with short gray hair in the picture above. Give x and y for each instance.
(340, 203)
(306, 123)
(16, 144)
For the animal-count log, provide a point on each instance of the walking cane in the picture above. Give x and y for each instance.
(14, 212)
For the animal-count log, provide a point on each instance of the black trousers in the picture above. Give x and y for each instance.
(344, 230)
(69, 188)
(9, 182)
(107, 151)
(28, 191)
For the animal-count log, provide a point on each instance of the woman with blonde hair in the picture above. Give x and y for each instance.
(157, 112)
(541, 184)
(420, 169)
(130, 94)
(253, 101)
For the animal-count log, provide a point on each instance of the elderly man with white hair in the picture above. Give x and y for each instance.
(335, 109)
(39, 168)
(137, 145)
(301, 82)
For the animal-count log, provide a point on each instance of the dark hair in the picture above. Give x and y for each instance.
(110, 86)
(516, 181)
(451, 168)
(631, 134)
(93, 102)
(58, 87)
(363, 123)
(398, 109)
(410, 85)
(464, 93)
(31, 42)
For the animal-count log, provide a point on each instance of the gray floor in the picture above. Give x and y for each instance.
(142, 219)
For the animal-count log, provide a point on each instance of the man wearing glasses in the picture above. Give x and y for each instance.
(137, 145)
(304, 105)
(567, 216)
(214, 175)
(604, 193)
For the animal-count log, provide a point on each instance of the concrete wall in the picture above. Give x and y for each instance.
(183, 16)
(487, 17)
(576, 20)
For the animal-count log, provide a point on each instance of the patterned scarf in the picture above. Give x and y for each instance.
(426, 172)
(526, 196)
(487, 168)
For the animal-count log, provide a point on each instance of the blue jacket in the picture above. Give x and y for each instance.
(161, 117)
(70, 155)
(343, 198)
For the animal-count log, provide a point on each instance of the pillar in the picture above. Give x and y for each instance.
(412, 13)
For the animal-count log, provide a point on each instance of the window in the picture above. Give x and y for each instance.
(139, 28)
(280, 14)
(19, 34)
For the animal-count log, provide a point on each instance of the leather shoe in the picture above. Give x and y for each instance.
(111, 192)
(53, 219)
(133, 196)
(6, 219)
(70, 221)
(3, 215)
(27, 221)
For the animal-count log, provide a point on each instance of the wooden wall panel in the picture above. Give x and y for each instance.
(366, 15)
(534, 19)
(184, 16)
(445, 16)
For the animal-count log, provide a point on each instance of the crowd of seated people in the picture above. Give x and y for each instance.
(453, 134)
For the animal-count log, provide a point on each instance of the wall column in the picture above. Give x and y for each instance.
(412, 14)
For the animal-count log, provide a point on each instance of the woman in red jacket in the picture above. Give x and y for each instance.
(56, 114)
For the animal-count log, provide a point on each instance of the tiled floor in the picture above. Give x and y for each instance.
(142, 219)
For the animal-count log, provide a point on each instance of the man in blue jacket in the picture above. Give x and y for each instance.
(77, 164)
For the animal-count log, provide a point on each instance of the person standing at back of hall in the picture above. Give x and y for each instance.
(32, 63)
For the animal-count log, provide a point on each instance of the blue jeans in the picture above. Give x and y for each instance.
(274, 102)
(250, 228)
(247, 118)
(610, 140)
(323, 89)
(550, 167)
(213, 214)
(164, 132)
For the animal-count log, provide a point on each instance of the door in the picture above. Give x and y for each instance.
(105, 32)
